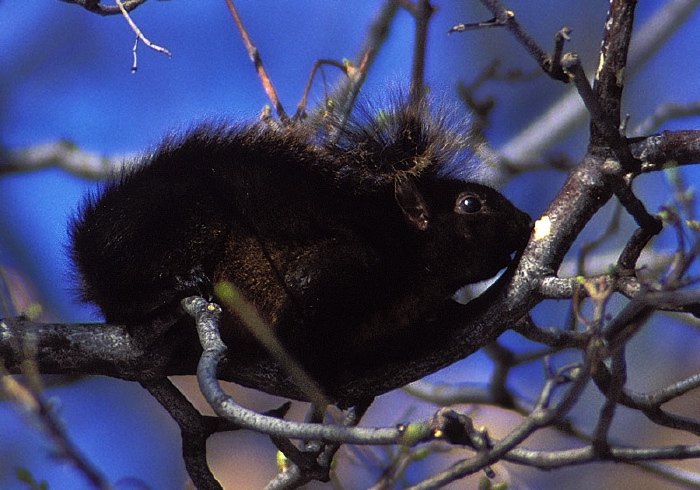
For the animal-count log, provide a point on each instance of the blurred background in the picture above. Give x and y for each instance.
(65, 75)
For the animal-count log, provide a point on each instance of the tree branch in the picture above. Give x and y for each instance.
(96, 7)
(568, 113)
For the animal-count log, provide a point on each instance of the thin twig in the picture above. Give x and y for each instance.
(422, 13)
(540, 417)
(507, 18)
(214, 351)
(635, 207)
(568, 113)
(139, 35)
(629, 256)
(666, 112)
(254, 55)
(601, 443)
(560, 38)
(354, 74)
(579, 456)
(97, 8)
(27, 396)
(650, 404)
(194, 427)
(590, 246)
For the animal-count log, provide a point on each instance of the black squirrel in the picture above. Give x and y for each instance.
(342, 235)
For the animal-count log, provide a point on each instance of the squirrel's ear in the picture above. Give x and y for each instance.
(412, 203)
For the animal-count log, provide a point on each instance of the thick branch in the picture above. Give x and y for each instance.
(96, 349)
(609, 79)
(568, 113)
(667, 149)
(454, 332)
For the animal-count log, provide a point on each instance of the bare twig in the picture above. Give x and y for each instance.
(666, 112)
(377, 34)
(254, 55)
(636, 209)
(571, 457)
(28, 396)
(494, 22)
(60, 154)
(606, 171)
(609, 78)
(96, 7)
(422, 12)
(355, 74)
(667, 149)
(506, 18)
(588, 247)
(601, 443)
(139, 35)
(308, 465)
(194, 427)
(214, 350)
(345, 93)
(608, 133)
(575, 376)
(568, 113)
(629, 256)
(650, 404)
(556, 70)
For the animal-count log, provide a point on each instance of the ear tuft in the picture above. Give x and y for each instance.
(412, 203)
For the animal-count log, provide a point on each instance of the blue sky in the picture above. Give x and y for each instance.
(65, 75)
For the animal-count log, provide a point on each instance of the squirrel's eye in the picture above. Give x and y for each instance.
(468, 204)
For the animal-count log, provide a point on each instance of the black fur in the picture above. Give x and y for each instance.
(342, 238)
